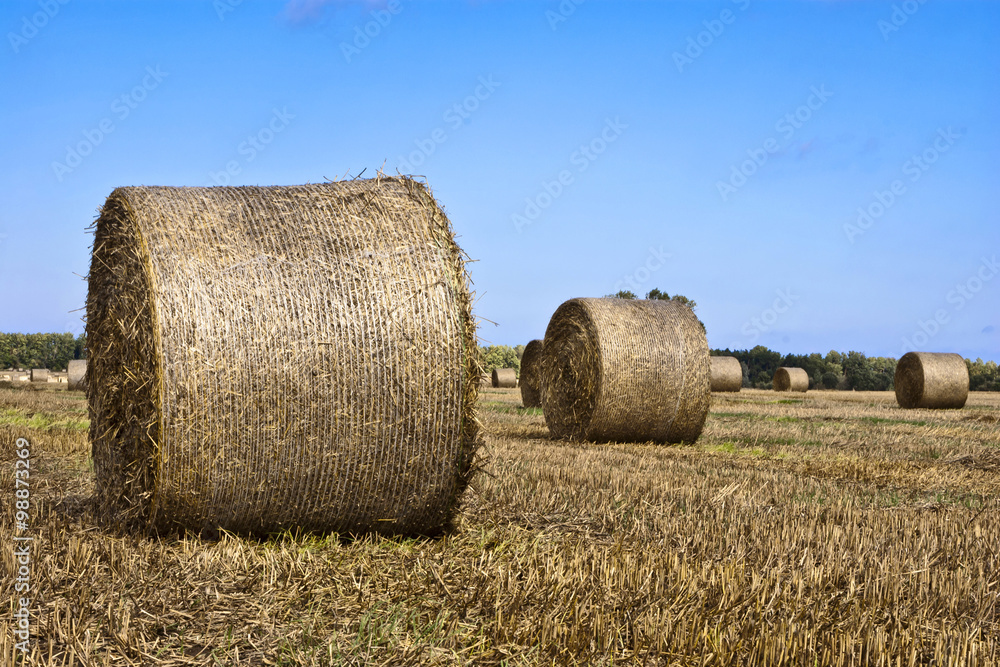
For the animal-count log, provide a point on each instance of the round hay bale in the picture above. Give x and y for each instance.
(624, 370)
(790, 379)
(209, 306)
(39, 374)
(932, 380)
(504, 378)
(77, 374)
(727, 374)
(531, 396)
(485, 380)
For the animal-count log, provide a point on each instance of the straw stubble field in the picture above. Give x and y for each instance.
(832, 528)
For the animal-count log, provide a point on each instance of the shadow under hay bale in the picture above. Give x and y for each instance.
(531, 378)
(230, 296)
(39, 374)
(790, 379)
(727, 374)
(932, 380)
(504, 378)
(77, 374)
(624, 370)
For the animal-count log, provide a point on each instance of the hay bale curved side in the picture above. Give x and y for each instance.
(504, 378)
(727, 374)
(77, 375)
(531, 378)
(790, 379)
(932, 380)
(39, 374)
(624, 370)
(199, 416)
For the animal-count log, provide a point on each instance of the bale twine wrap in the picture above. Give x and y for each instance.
(504, 378)
(790, 379)
(39, 374)
(77, 374)
(531, 396)
(932, 380)
(727, 374)
(625, 370)
(263, 358)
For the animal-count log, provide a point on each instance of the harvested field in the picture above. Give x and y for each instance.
(832, 528)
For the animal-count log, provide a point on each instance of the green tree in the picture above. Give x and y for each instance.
(830, 380)
(759, 365)
(621, 294)
(500, 356)
(80, 348)
(983, 376)
(40, 350)
(657, 295)
(864, 374)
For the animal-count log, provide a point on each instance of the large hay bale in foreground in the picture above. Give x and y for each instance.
(39, 374)
(790, 379)
(77, 374)
(207, 309)
(727, 374)
(625, 370)
(932, 380)
(531, 377)
(504, 378)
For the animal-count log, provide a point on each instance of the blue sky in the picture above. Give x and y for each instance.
(816, 175)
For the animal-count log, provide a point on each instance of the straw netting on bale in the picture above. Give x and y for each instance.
(727, 374)
(790, 379)
(625, 370)
(504, 378)
(39, 374)
(932, 380)
(77, 375)
(262, 358)
(530, 381)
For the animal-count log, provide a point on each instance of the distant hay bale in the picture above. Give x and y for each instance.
(531, 396)
(625, 370)
(78, 375)
(485, 380)
(39, 374)
(727, 374)
(207, 309)
(504, 378)
(791, 379)
(932, 380)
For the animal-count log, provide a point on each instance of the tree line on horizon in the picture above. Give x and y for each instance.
(41, 350)
(835, 370)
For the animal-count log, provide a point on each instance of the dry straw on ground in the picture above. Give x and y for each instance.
(504, 378)
(932, 380)
(39, 375)
(625, 370)
(531, 396)
(790, 379)
(727, 374)
(77, 373)
(271, 357)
